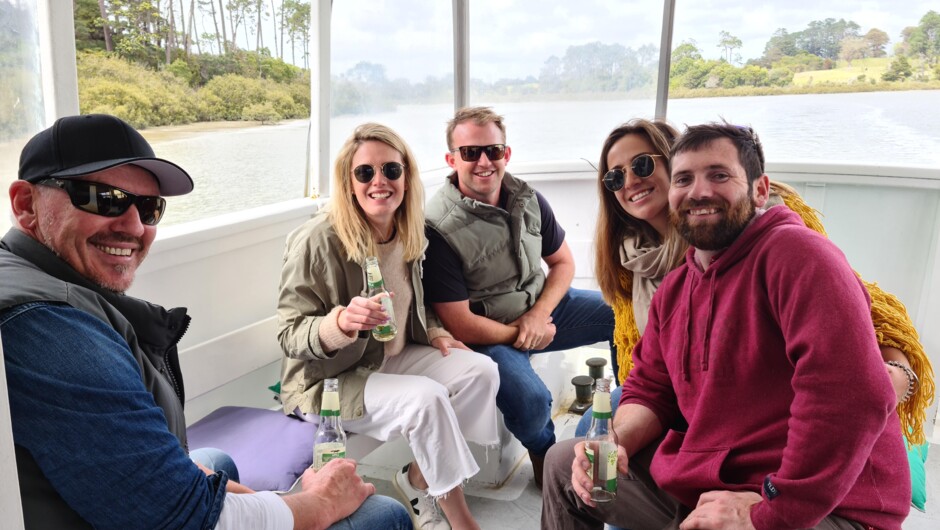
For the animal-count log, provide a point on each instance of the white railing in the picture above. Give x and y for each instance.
(226, 271)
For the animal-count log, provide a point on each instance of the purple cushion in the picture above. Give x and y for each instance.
(270, 449)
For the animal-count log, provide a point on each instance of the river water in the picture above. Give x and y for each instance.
(239, 168)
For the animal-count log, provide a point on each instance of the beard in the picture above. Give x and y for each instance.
(124, 272)
(53, 230)
(718, 235)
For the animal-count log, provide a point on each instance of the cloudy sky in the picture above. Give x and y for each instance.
(513, 38)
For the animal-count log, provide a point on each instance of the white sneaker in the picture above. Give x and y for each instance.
(424, 511)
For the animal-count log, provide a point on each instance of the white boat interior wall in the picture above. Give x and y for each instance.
(226, 271)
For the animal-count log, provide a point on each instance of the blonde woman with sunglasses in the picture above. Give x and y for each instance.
(423, 384)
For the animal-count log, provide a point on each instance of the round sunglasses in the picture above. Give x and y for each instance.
(642, 166)
(109, 201)
(392, 171)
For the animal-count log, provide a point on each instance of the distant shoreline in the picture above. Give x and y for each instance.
(176, 132)
(819, 88)
(686, 93)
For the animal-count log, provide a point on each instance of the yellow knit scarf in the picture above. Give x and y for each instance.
(893, 327)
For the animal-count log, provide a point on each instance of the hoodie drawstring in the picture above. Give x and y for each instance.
(687, 347)
(708, 321)
(689, 339)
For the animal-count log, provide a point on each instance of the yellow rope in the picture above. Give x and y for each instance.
(893, 328)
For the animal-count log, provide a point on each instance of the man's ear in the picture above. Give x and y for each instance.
(508, 154)
(761, 190)
(23, 199)
(451, 161)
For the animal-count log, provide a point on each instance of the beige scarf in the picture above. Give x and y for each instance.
(649, 263)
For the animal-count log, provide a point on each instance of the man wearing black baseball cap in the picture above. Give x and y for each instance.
(105, 168)
(95, 388)
(76, 146)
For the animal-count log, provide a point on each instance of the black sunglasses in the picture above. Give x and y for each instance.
(471, 153)
(642, 166)
(392, 171)
(109, 201)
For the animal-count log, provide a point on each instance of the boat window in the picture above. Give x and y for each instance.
(392, 63)
(564, 73)
(21, 103)
(847, 88)
(826, 81)
(228, 106)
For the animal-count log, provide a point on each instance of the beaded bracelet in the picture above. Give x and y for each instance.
(911, 379)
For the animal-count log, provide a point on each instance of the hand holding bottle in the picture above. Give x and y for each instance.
(328, 495)
(363, 313)
(601, 445)
(387, 330)
(599, 456)
(581, 480)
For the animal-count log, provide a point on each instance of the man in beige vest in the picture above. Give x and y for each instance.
(488, 235)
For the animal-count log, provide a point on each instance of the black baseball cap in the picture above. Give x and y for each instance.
(76, 146)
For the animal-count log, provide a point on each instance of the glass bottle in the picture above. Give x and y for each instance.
(601, 446)
(382, 332)
(330, 440)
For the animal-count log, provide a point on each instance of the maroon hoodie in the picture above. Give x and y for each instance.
(771, 357)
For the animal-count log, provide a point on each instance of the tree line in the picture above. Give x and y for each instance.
(595, 69)
(164, 62)
(160, 31)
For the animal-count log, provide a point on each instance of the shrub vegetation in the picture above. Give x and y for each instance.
(198, 89)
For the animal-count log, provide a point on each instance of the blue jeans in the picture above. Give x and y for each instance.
(581, 318)
(216, 460)
(376, 512)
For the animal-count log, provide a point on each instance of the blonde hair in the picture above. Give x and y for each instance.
(479, 116)
(347, 216)
(613, 223)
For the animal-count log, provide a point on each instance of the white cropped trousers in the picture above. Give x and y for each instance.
(437, 404)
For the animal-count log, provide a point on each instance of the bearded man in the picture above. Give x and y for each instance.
(763, 342)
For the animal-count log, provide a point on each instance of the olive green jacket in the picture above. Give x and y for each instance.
(316, 277)
(500, 249)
